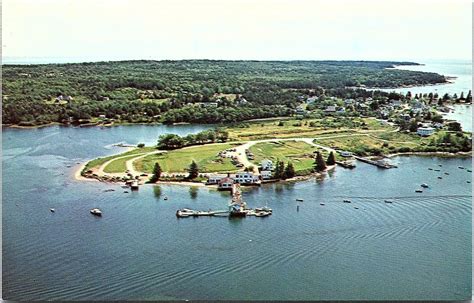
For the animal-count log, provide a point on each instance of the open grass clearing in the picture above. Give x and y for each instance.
(206, 157)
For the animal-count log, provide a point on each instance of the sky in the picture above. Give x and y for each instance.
(237, 29)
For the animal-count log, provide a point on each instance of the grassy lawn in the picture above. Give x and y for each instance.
(365, 144)
(179, 160)
(118, 166)
(99, 161)
(300, 154)
(306, 128)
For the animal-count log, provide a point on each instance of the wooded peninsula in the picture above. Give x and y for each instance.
(193, 91)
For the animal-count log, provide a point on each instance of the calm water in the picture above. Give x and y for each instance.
(419, 247)
(461, 69)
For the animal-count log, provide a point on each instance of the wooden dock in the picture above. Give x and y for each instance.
(378, 163)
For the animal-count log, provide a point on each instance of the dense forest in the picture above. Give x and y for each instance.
(201, 91)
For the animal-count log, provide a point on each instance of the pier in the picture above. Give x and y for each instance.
(378, 163)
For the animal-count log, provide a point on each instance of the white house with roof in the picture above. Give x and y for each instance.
(225, 184)
(215, 178)
(425, 131)
(331, 109)
(266, 174)
(246, 178)
(266, 164)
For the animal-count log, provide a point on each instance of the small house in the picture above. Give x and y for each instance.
(266, 174)
(215, 178)
(225, 184)
(266, 164)
(345, 154)
(425, 131)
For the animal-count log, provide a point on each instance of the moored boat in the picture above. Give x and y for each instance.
(96, 212)
(388, 201)
(262, 214)
(424, 185)
(346, 201)
(418, 191)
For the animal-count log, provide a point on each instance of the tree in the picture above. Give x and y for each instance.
(319, 164)
(279, 170)
(289, 171)
(413, 126)
(156, 173)
(170, 141)
(331, 159)
(193, 170)
(455, 126)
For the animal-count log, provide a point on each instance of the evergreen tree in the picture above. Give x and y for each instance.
(193, 170)
(289, 171)
(331, 159)
(462, 96)
(469, 97)
(319, 164)
(279, 170)
(156, 173)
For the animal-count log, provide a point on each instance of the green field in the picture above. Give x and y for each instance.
(306, 128)
(300, 154)
(179, 160)
(118, 166)
(99, 161)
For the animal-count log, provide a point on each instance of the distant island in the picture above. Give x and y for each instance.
(193, 91)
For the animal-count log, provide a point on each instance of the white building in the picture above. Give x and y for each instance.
(425, 131)
(345, 154)
(215, 178)
(266, 174)
(246, 178)
(266, 164)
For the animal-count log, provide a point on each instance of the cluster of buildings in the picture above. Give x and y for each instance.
(225, 181)
(387, 110)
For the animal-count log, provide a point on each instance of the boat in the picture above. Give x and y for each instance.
(469, 171)
(355, 207)
(299, 200)
(346, 201)
(262, 214)
(460, 167)
(165, 198)
(418, 190)
(238, 213)
(185, 212)
(134, 185)
(52, 210)
(468, 181)
(446, 173)
(322, 204)
(263, 209)
(430, 168)
(388, 201)
(424, 185)
(96, 212)
(440, 177)
(436, 170)
(440, 165)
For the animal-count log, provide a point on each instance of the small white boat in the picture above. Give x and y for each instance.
(418, 190)
(96, 212)
(424, 185)
(299, 200)
(262, 214)
(388, 201)
(346, 201)
(165, 198)
(322, 204)
(263, 209)
(52, 210)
